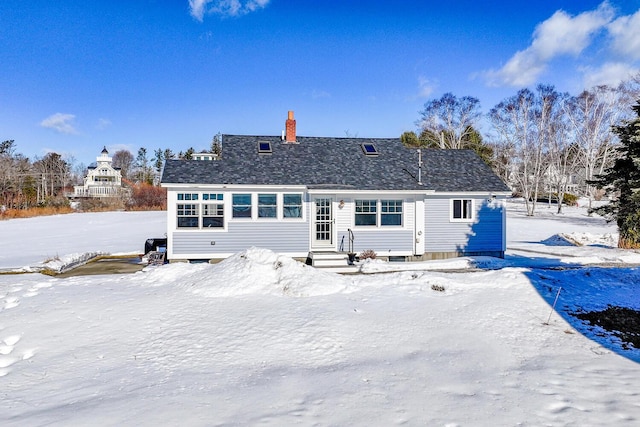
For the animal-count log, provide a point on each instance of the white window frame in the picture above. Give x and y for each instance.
(251, 207)
(212, 210)
(367, 211)
(266, 206)
(215, 203)
(204, 204)
(471, 209)
(378, 213)
(281, 207)
(189, 210)
(396, 207)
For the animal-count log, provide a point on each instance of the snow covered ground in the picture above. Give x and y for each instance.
(262, 340)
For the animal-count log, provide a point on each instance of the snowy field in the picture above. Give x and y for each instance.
(262, 340)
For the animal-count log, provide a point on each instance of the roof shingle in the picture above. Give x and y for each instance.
(336, 163)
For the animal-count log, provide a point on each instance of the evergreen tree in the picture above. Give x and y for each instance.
(410, 139)
(216, 144)
(623, 179)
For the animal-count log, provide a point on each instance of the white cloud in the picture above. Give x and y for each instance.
(425, 87)
(224, 7)
(103, 124)
(625, 32)
(561, 34)
(197, 8)
(318, 94)
(60, 122)
(610, 74)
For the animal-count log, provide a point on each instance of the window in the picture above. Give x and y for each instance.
(241, 206)
(212, 196)
(187, 196)
(264, 147)
(366, 213)
(187, 215)
(212, 215)
(369, 149)
(381, 213)
(391, 212)
(267, 205)
(462, 209)
(292, 206)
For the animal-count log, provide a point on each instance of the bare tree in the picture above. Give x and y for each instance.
(514, 121)
(6, 173)
(450, 120)
(591, 116)
(123, 159)
(630, 90)
(54, 174)
(562, 154)
(17, 184)
(532, 133)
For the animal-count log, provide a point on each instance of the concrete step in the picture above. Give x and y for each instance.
(329, 259)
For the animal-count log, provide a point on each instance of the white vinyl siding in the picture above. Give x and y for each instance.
(385, 240)
(483, 233)
(377, 213)
(281, 237)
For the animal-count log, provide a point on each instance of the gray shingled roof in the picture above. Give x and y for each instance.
(336, 163)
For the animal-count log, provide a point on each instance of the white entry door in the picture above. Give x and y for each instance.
(323, 223)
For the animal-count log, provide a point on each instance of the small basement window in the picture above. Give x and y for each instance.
(264, 147)
(369, 149)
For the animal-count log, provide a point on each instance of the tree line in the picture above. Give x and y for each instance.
(48, 181)
(543, 143)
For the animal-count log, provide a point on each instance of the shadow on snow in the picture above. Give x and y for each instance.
(595, 290)
(587, 292)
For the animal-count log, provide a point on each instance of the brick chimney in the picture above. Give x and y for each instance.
(290, 129)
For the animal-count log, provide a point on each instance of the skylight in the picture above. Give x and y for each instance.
(264, 147)
(369, 149)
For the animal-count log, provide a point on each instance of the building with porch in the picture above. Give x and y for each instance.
(102, 180)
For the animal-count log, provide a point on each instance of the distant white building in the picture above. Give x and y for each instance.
(102, 180)
(204, 156)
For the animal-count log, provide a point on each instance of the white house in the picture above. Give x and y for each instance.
(204, 155)
(102, 180)
(306, 196)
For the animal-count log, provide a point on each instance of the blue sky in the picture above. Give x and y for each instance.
(80, 75)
